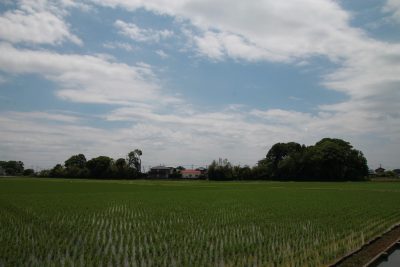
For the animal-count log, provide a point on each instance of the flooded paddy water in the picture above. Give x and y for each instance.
(393, 260)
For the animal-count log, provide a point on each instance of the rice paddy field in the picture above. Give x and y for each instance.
(58, 222)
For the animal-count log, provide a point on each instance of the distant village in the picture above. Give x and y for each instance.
(382, 172)
(330, 159)
(163, 172)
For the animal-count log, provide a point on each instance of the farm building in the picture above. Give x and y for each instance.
(191, 174)
(161, 172)
(202, 170)
(380, 170)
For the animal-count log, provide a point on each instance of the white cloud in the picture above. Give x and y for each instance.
(245, 135)
(86, 79)
(292, 32)
(278, 31)
(275, 30)
(132, 31)
(284, 117)
(219, 45)
(165, 138)
(241, 135)
(162, 54)
(119, 45)
(393, 7)
(75, 4)
(38, 141)
(46, 116)
(371, 79)
(369, 72)
(209, 45)
(36, 22)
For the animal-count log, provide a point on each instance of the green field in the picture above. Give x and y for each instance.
(58, 222)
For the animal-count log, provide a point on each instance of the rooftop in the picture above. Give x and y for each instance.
(190, 172)
(161, 168)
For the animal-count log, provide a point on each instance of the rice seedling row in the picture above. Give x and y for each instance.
(80, 223)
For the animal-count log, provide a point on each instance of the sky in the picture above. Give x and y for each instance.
(189, 81)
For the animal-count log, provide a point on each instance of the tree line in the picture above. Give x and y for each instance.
(101, 167)
(329, 159)
(77, 166)
(13, 168)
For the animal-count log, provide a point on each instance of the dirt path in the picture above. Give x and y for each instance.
(369, 254)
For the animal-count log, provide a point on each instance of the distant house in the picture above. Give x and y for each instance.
(202, 170)
(380, 170)
(191, 174)
(161, 172)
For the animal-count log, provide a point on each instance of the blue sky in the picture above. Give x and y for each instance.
(190, 81)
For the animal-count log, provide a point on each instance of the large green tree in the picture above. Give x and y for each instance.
(76, 167)
(330, 159)
(220, 169)
(335, 159)
(58, 171)
(100, 167)
(121, 169)
(12, 167)
(78, 161)
(279, 160)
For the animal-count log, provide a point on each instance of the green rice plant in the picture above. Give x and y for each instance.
(142, 223)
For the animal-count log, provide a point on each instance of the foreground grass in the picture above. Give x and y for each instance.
(60, 222)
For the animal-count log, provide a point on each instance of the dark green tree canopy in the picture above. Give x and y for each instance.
(220, 170)
(57, 171)
(280, 151)
(78, 161)
(120, 163)
(76, 167)
(29, 172)
(330, 159)
(100, 166)
(12, 167)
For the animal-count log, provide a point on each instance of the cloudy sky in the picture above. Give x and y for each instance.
(188, 81)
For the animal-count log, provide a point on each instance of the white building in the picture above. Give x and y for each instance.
(191, 174)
